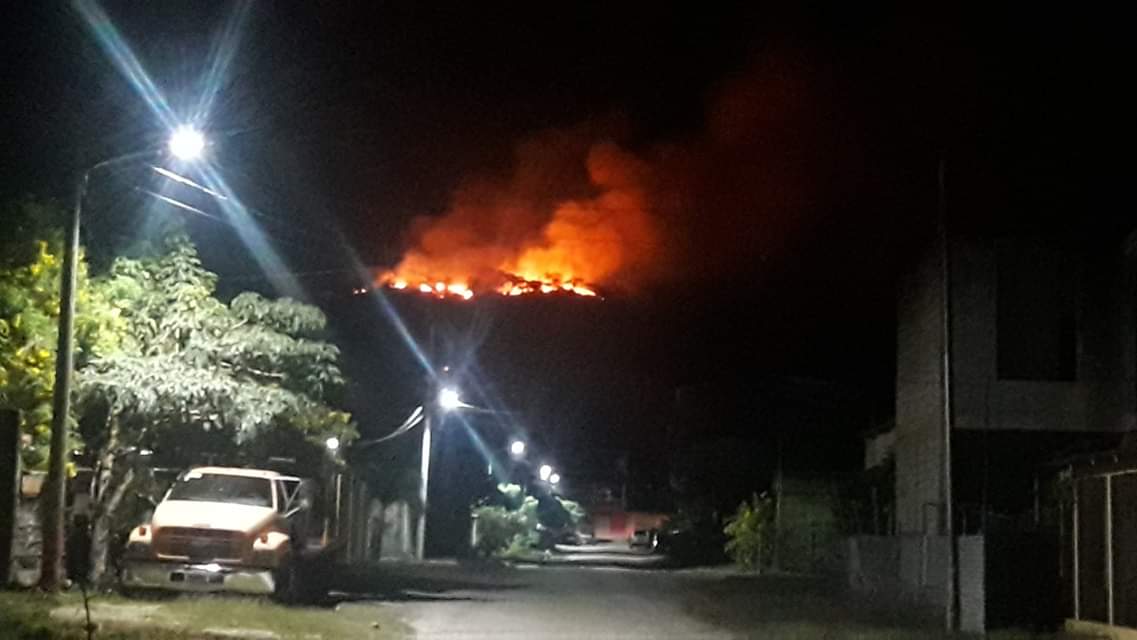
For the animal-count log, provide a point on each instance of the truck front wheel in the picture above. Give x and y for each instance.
(287, 583)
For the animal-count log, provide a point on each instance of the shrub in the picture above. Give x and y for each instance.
(750, 532)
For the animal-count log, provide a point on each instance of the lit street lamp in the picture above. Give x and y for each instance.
(185, 143)
(449, 399)
(554, 478)
(545, 472)
(517, 448)
(332, 443)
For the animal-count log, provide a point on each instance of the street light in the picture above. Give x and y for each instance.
(517, 448)
(332, 443)
(554, 478)
(185, 143)
(449, 399)
(544, 472)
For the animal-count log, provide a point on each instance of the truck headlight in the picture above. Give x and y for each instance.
(140, 539)
(269, 541)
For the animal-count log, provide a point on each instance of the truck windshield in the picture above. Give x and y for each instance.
(207, 487)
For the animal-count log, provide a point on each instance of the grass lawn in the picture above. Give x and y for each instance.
(25, 614)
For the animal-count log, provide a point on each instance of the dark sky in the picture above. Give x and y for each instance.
(801, 143)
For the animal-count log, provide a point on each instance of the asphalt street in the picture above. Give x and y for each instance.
(468, 602)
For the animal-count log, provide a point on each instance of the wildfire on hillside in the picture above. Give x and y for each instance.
(509, 285)
(578, 212)
(516, 239)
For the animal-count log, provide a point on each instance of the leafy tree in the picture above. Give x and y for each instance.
(750, 532)
(196, 376)
(516, 525)
(30, 266)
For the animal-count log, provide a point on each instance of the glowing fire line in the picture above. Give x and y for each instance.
(512, 286)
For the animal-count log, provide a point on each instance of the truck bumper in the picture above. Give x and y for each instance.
(177, 576)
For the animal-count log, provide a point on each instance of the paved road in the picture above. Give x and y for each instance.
(450, 601)
(554, 602)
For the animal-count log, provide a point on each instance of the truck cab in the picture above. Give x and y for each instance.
(221, 529)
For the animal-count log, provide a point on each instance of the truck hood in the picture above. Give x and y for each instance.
(211, 515)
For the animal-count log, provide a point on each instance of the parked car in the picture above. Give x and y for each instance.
(643, 538)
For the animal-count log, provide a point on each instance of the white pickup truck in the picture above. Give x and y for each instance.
(222, 529)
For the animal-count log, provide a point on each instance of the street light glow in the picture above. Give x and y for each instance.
(517, 447)
(333, 443)
(554, 478)
(448, 399)
(186, 143)
(545, 472)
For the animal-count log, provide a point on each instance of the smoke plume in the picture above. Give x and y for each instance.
(582, 209)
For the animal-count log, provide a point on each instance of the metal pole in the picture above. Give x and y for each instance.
(1109, 548)
(777, 563)
(424, 481)
(54, 497)
(947, 526)
(1076, 568)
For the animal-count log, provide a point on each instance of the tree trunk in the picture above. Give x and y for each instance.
(107, 495)
(101, 533)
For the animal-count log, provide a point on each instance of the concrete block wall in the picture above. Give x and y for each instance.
(909, 574)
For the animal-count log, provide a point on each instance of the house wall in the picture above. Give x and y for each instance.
(919, 399)
(908, 574)
(1100, 397)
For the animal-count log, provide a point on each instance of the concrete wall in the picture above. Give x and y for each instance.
(908, 574)
(389, 532)
(1100, 398)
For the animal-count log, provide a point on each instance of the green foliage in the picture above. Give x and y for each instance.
(515, 526)
(30, 270)
(190, 363)
(575, 512)
(750, 532)
(498, 527)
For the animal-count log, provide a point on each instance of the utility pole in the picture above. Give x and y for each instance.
(777, 564)
(55, 494)
(947, 527)
(424, 480)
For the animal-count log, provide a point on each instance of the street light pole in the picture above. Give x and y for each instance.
(424, 480)
(185, 143)
(52, 559)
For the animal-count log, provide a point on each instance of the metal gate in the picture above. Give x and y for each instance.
(1099, 532)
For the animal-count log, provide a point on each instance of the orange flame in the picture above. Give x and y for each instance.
(578, 245)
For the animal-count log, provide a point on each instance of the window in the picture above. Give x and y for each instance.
(1037, 312)
(210, 487)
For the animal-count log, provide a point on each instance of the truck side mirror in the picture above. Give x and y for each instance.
(300, 504)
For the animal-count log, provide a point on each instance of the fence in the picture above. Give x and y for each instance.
(1099, 535)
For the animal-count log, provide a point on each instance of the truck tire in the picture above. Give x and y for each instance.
(287, 583)
(302, 581)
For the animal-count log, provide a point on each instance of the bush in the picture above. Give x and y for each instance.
(750, 530)
(522, 522)
(498, 528)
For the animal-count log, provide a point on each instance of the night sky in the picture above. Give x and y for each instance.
(794, 151)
